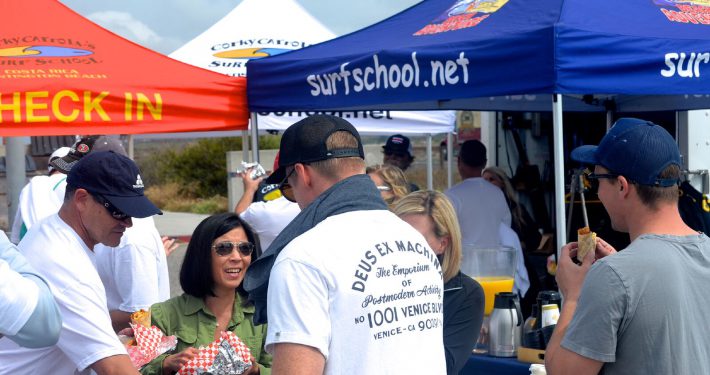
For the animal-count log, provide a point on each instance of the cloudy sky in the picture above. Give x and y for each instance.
(165, 25)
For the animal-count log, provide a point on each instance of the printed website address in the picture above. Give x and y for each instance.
(381, 76)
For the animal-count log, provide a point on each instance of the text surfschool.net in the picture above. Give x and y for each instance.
(381, 76)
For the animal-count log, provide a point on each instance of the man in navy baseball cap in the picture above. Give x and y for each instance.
(636, 149)
(616, 302)
(104, 192)
(398, 151)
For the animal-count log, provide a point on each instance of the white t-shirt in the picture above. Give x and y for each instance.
(64, 261)
(363, 288)
(41, 197)
(135, 273)
(480, 206)
(269, 218)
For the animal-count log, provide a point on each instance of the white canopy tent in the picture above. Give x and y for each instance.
(257, 29)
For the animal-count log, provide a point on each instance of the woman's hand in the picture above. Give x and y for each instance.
(174, 362)
(169, 245)
(254, 369)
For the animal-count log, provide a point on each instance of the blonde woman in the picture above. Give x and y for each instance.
(431, 213)
(390, 181)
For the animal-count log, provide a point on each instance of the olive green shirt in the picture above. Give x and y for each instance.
(194, 324)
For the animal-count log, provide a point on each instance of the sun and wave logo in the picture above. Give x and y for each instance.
(686, 11)
(250, 53)
(462, 15)
(43, 51)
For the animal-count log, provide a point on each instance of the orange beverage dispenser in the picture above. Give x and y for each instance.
(494, 269)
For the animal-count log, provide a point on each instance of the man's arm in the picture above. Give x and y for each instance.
(250, 187)
(116, 364)
(31, 316)
(120, 319)
(296, 359)
(570, 278)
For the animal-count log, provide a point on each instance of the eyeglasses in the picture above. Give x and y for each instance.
(594, 178)
(383, 188)
(112, 210)
(226, 247)
(286, 188)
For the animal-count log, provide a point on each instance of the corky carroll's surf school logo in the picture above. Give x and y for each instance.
(462, 15)
(686, 11)
(43, 51)
(250, 53)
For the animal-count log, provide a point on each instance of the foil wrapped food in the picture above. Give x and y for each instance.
(225, 356)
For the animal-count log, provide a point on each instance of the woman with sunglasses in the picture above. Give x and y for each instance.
(219, 253)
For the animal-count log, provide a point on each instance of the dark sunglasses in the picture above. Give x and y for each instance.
(226, 247)
(286, 188)
(112, 210)
(594, 178)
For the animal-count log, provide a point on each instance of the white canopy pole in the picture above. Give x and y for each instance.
(449, 159)
(254, 138)
(429, 164)
(559, 165)
(15, 174)
(245, 145)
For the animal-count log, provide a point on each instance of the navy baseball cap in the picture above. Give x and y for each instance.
(398, 144)
(116, 178)
(305, 142)
(636, 149)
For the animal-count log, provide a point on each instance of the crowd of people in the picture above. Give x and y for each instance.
(347, 268)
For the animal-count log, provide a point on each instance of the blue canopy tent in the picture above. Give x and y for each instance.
(504, 55)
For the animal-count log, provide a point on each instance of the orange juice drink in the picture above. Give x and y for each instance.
(492, 285)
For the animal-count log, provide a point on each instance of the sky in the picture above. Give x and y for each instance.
(165, 25)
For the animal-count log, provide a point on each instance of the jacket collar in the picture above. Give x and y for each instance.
(455, 283)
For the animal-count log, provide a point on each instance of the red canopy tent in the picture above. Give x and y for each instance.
(62, 74)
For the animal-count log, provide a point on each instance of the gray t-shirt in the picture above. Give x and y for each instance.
(645, 310)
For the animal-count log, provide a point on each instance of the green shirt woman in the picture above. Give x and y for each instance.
(220, 252)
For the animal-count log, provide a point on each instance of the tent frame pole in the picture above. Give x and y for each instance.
(254, 137)
(449, 159)
(245, 145)
(559, 172)
(429, 164)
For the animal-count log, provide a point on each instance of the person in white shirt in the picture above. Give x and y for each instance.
(267, 218)
(104, 191)
(30, 316)
(480, 206)
(347, 275)
(41, 197)
(135, 273)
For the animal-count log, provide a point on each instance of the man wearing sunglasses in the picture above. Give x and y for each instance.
(642, 310)
(134, 273)
(103, 193)
(350, 288)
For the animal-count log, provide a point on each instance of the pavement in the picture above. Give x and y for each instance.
(179, 225)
